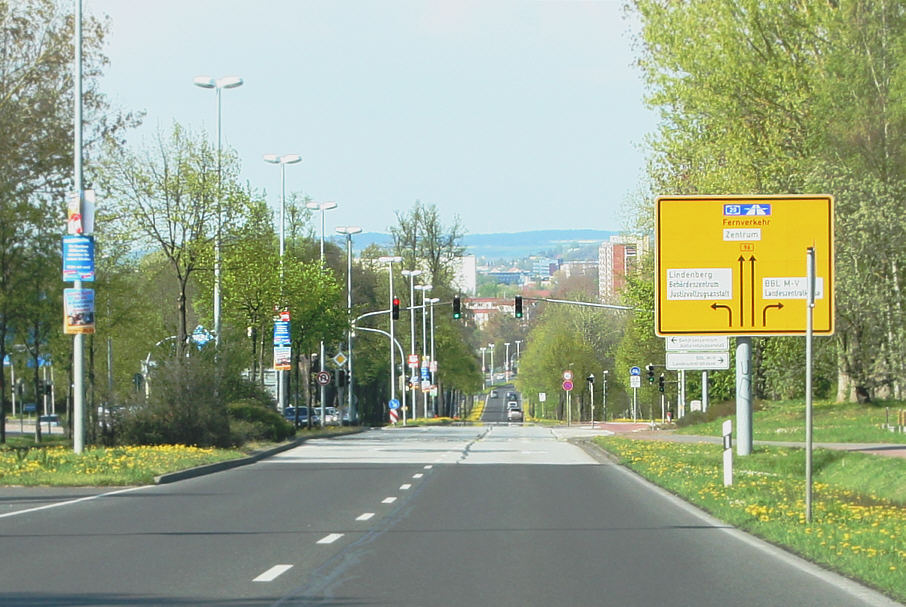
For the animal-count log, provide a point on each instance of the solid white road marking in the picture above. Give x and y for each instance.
(74, 501)
(388, 500)
(365, 516)
(271, 574)
(330, 539)
(405, 487)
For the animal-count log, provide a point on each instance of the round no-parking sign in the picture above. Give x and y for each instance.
(567, 385)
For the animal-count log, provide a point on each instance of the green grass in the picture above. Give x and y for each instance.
(833, 422)
(859, 504)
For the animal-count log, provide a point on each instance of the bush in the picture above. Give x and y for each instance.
(252, 421)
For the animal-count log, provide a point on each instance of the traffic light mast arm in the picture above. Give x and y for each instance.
(580, 303)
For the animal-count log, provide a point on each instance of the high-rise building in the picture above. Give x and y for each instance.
(616, 259)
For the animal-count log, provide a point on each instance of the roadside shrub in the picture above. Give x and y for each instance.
(182, 409)
(252, 421)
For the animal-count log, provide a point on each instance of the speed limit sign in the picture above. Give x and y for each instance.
(323, 378)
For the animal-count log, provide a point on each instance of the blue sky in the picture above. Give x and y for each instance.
(512, 115)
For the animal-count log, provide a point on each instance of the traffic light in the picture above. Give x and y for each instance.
(395, 311)
(457, 307)
(519, 306)
(340, 378)
(660, 385)
(651, 374)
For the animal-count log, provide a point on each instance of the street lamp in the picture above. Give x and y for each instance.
(412, 274)
(506, 362)
(322, 206)
(349, 231)
(491, 348)
(432, 301)
(518, 355)
(391, 261)
(227, 82)
(282, 161)
(424, 289)
(484, 377)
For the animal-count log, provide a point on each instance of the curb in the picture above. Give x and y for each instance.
(172, 477)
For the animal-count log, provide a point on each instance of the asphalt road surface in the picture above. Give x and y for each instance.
(446, 516)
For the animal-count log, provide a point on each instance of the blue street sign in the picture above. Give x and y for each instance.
(635, 371)
(394, 404)
(201, 336)
(78, 258)
(282, 333)
(6, 360)
(425, 374)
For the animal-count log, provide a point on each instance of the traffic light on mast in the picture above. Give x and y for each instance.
(519, 306)
(660, 385)
(650, 373)
(395, 310)
(457, 307)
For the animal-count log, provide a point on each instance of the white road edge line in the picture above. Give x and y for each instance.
(273, 573)
(365, 516)
(405, 487)
(75, 501)
(330, 539)
(388, 500)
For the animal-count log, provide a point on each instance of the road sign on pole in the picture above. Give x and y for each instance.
(323, 378)
(697, 343)
(700, 361)
(635, 372)
(567, 385)
(744, 276)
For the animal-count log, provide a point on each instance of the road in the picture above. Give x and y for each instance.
(443, 516)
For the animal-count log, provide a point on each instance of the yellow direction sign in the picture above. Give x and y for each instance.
(736, 265)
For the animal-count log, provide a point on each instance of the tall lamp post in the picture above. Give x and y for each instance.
(432, 301)
(391, 261)
(518, 355)
(322, 206)
(411, 274)
(424, 289)
(484, 376)
(491, 348)
(349, 231)
(506, 362)
(218, 84)
(282, 161)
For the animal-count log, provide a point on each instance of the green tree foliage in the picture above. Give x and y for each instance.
(792, 97)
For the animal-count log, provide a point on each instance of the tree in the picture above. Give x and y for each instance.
(423, 241)
(169, 199)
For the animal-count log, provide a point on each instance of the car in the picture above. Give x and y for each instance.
(493, 393)
(514, 414)
(50, 420)
(289, 414)
(331, 416)
(346, 419)
(511, 396)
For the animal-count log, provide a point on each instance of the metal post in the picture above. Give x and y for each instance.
(349, 405)
(433, 361)
(604, 397)
(506, 362)
(78, 343)
(424, 350)
(743, 396)
(809, 319)
(591, 389)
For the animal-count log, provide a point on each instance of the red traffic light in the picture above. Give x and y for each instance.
(395, 310)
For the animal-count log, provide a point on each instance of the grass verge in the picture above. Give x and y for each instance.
(833, 422)
(858, 525)
(54, 464)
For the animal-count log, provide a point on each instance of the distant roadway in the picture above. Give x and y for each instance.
(495, 515)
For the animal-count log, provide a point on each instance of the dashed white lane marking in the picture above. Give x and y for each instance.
(419, 475)
(330, 539)
(428, 467)
(405, 487)
(273, 573)
(365, 516)
(388, 500)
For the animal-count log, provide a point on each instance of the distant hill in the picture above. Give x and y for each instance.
(508, 245)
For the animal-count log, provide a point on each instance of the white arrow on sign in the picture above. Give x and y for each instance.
(701, 361)
(697, 343)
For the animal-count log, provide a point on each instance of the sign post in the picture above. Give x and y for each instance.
(743, 277)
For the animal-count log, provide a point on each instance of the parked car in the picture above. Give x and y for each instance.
(50, 420)
(289, 414)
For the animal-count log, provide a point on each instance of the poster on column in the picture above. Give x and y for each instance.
(282, 358)
(78, 311)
